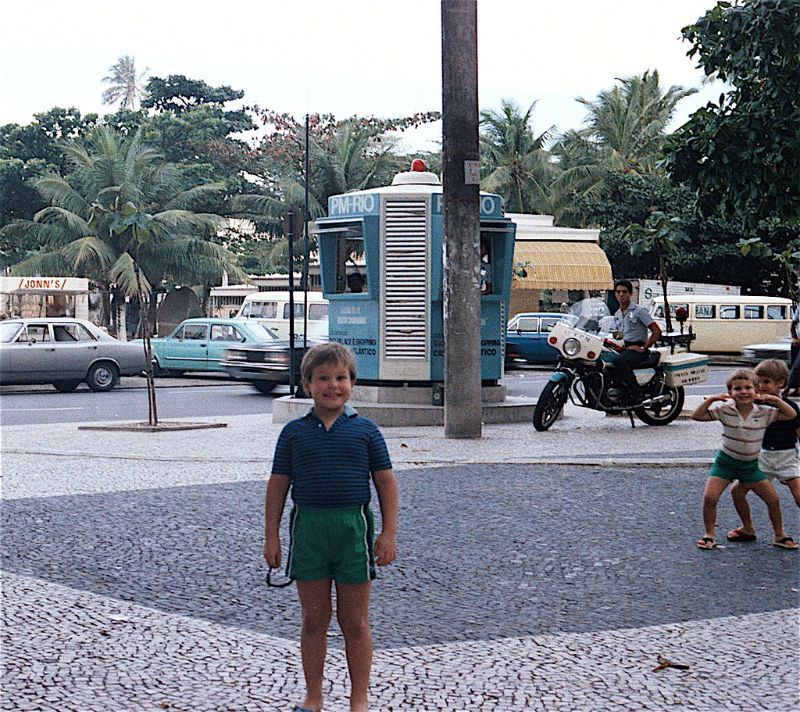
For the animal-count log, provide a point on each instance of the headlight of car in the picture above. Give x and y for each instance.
(281, 357)
(236, 356)
(571, 346)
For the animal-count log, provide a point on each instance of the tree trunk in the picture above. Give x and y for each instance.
(152, 410)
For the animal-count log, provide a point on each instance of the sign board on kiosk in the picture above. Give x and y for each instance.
(382, 268)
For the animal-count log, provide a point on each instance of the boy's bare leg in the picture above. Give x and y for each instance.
(739, 497)
(715, 486)
(767, 492)
(794, 488)
(315, 602)
(352, 612)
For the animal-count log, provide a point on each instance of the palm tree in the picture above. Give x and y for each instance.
(123, 217)
(126, 84)
(625, 132)
(515, 162)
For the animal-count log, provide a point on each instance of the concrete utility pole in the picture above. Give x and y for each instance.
(460, 156)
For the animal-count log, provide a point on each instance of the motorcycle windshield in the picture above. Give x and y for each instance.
(590, 315)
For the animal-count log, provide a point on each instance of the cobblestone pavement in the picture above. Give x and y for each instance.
(132, 581)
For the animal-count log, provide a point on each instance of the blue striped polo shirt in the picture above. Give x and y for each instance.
(330, 468)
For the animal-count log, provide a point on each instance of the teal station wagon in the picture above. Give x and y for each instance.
(201, 344)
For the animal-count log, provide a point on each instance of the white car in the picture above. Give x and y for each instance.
(65, 352)
(754, 353)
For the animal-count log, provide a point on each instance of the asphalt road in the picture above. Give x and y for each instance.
(207, 396)
(557, 549)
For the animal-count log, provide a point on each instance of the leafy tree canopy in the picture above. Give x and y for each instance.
(742, 154)
(178, 94)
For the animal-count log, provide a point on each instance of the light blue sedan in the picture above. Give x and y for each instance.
(200, 344)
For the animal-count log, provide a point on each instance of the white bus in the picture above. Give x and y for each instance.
(272, 310)
(726, 323)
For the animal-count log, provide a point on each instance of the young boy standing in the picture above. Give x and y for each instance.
(327, 458)
(743, 424)
(778, 459)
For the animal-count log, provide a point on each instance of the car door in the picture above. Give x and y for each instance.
(33, 357)
(75, 349)
(546, 352)
(223, 336)
(527, 333)
(186, 349)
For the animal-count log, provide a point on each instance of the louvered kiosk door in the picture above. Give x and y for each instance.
(406, 303)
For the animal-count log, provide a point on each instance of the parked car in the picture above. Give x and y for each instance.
(266, 365)
(775, 349)
(526, 338)
(65, 352)
(200, 344)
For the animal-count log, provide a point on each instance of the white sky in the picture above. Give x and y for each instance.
(380, 57)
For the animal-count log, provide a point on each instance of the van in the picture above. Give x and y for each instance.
(272, 310)
(726, 323)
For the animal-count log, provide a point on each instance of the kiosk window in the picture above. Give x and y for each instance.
(704, 311)
(776, 311)
(350, 274)
(729, 311)
(753, 311)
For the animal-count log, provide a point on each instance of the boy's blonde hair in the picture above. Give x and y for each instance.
(331, 352)
(742, 374)
(774, 369)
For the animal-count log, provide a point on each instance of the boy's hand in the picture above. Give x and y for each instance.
(272, 552)
(769, 398)
(385, 549)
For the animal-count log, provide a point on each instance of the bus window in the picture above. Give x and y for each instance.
(776, 311)
(264, 310)
(704, 311)
(753, 311)
(729, 311)
(317, 312)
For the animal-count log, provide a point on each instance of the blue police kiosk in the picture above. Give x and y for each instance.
(382, 261)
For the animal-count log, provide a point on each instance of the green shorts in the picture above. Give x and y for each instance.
(729, 468)
(331, 543)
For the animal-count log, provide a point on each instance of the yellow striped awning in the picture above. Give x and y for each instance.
(562, 265)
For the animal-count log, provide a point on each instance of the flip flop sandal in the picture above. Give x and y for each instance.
(786, 543)
(739, 535)
(706, 543)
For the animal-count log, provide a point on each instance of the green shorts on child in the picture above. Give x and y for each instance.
(331, 543)
(729, 468)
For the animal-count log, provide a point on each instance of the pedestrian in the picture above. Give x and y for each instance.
(327, 458)
(779, 459)
(743, 424)
(793, 381)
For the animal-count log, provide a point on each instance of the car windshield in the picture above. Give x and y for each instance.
(588, 314)
(8, 330)
(262, 332)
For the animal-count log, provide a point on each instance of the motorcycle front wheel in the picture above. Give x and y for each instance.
(664, 413)
(550, 403)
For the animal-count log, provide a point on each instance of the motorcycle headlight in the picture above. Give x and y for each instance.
(571, 347)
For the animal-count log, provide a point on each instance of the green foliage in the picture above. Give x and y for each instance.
(122, 208)
(515, 163)
(178, 94)
(742, 154)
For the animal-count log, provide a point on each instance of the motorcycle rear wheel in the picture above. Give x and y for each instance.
(550, 404)
(663, 414)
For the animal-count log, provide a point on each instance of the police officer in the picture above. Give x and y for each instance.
(634, 321)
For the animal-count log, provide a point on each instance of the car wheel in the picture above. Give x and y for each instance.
(102, 376)
(65, 386)
(264, 386)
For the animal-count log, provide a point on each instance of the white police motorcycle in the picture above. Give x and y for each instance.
(585, 373)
